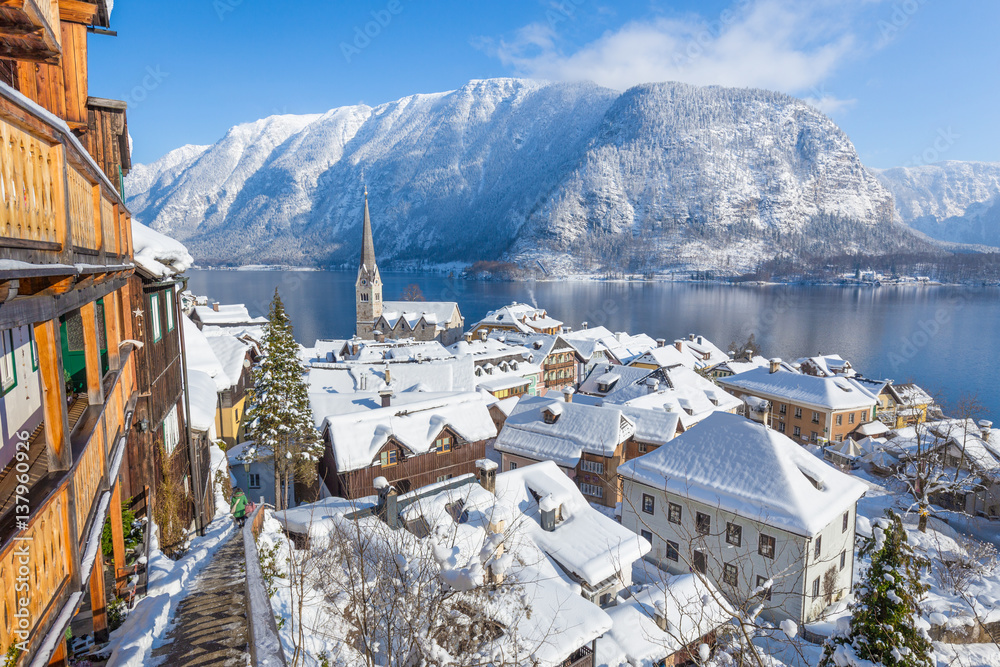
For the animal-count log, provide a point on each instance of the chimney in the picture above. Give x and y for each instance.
(386, 396)
(388, 377)
(548, 507)
(661, 342)
(568, 394)
(660, 616)
(487, 474)
(775, 364)
(732, 355)
(652, 385)
(701, 341)
(679, 344)
(584, 324)
(215, 306)
(379, 336)
(387, 508)
(985, 425)
(691, 337)
(355, 346)
(468, 336)
(620, 336)
(482, 334)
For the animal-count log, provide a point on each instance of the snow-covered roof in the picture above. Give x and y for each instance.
(538, 346)
(372, 352)
(357, 437)
(667, 356)
(872, 429)
(158, 255)
(910, 394)
(445, 375)
(750, 470)
(434, 313)
(834, 393)
(200, 356)
(578, 428)
(227, 315)
(489, 349)
(204, 399)
(231, 353)
(738, 366)
(826, 365)
(521, 316)
(620, 346)
(692, 608)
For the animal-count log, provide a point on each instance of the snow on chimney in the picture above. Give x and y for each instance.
(584, 324)
(468, 336)
(548, 507)
(386, 396)
(652, 385)
(985, 425)
(487, 474)
(679, 344)
(215, 306)
(568, 394)
(775, 364)
(661, 342)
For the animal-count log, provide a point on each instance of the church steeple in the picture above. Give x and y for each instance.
(368, 286)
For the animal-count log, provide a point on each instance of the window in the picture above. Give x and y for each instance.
(730, 574)
(592, 490)
(814, 436)
(845, 522)
(154, 316)
(702, 523)
(700, 562)
(843, 559)
(734, 534)
(642, 448)
(673, 513)
(513, 466)
(781, 427)
(442, 444)
(765, 546)
(798, 413)
(673, 551)
(839, 420)
(796, 431)
(253, 480)
(444, 478)
(171, 431)
(169, 307)
(816, 587)
(389, 458)
(761, 583)
(815, 417)
(646, 535)
(818, 549)
(784, 409)
(34, 348)
(648, 504)
(8, 371)
(850, 418)
(592, 466)
(839, 437)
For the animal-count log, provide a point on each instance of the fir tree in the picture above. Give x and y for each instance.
(882, 629)
(279, 417)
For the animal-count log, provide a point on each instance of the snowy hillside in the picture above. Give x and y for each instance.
(950, 201)
(578, 176)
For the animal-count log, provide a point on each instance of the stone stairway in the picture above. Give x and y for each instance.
(210, 625)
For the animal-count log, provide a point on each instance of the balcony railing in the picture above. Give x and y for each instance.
(582, 657)
(42, 537)
(57, 206)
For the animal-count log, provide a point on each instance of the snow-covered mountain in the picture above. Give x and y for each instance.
(949, 201)
(578, 176)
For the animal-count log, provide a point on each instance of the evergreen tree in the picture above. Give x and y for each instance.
(882, 629)
(279, 417)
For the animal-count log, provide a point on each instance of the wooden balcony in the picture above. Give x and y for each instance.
(59, 212)
(62, 504)
(29, 30)
(582, 657)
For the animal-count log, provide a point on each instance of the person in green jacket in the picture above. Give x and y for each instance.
(238, 506)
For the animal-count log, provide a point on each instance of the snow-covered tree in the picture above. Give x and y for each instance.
(279, 417)
(882, 629)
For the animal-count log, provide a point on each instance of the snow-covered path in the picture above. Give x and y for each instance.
(210, 627)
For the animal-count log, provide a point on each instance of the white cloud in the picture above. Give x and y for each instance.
(776, 44)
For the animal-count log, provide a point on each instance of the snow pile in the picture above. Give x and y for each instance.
(169, 582)
(159, 255)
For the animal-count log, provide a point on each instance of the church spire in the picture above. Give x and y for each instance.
(367, 245)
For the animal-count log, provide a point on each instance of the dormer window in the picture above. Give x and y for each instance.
(551, 414)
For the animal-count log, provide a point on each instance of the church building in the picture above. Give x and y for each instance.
(377, 319)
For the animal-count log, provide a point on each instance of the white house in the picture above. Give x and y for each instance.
(753, 511)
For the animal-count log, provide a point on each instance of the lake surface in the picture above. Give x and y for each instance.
(947, 339)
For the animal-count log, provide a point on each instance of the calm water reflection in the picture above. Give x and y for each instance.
(945, 338)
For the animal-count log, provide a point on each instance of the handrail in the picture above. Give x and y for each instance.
(265, 644)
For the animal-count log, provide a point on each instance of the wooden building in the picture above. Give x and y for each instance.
(68, 360)
(411, 443)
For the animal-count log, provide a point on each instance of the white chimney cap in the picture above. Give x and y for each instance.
(380, 483)
(486, 464)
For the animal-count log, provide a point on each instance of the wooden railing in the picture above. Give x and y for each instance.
(40, 553)
(56, 204)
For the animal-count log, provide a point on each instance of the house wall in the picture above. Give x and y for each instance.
(21, 405)
(265, 470)
(827, 426)
(791, 571)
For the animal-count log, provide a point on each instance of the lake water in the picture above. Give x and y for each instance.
(947, 339)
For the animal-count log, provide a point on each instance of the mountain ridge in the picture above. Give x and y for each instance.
(571, 174)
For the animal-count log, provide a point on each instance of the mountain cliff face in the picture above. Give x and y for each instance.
(579, 177)
(949, 201)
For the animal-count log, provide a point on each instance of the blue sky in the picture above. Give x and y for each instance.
(910, 81)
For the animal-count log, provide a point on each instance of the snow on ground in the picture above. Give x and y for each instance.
(169, 583)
